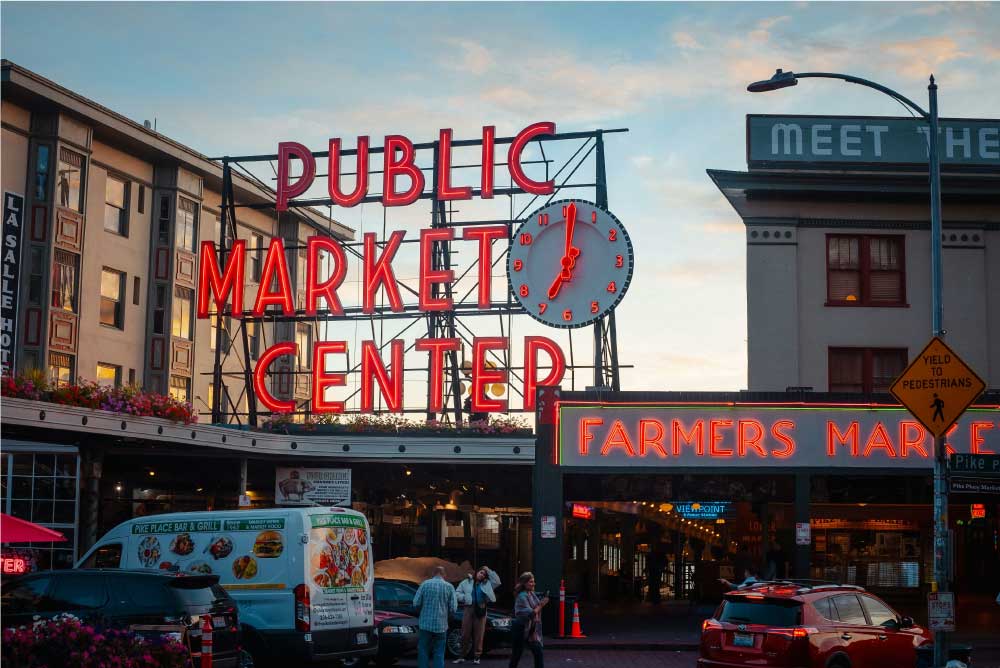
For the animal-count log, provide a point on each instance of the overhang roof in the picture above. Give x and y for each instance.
(36, 93)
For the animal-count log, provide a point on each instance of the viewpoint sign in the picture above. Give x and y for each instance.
(822, 142)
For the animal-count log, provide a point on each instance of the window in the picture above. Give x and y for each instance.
(878, 612)
(60, 369)
(303, 337)
(865, 370)
(42, 174)
(159, 313)
(142, 199)
(163, 226)
(300, 277)
(36, 275)
(27, 596)
(253, 337)
(180, 323)
(824, 607)
(136, 290)
(770, 613)
(64, 272)
(226, 328)
(116, 206)
(106, 556)
(112, 298)
(849, 609)
(180, 387)
(256, 256)
(79, 592)
(109, 375)
(70, 179)
(187, 222)
(865, 271)
(43, 489)
(131, 377)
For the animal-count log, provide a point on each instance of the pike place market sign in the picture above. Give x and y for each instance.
(761, 435)
(570, 264)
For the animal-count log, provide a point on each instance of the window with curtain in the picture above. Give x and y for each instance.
(69, 180)
(865, 370)
(865, 270)
(65, 267)
(180, 387)
(60, 369)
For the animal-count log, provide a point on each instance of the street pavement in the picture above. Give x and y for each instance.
(636, 659)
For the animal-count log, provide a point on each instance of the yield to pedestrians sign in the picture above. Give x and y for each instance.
(937, 387)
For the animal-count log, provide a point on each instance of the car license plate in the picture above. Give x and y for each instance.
(219, 622)
(743, 640)
(361, 639)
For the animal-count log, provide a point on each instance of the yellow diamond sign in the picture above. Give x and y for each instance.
(937, 387)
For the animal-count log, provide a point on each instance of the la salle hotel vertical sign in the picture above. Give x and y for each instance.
(10, 266)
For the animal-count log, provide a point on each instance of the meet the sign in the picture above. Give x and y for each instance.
(10, 268)
(864, 141)
(619, 435)
(987, 465)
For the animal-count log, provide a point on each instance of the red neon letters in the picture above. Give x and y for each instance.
(532, 346)
(486, 235)
(379, 272)
(437, 348)
(260, 373)
(323, 379)
(483, 376)
(429, 276)
(399, 159)
(275, 268)
(219, 287)
(372, 369)
(328, 288)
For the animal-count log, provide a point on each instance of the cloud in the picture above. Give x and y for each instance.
(685, 40)
(473, 57)
(919, 57)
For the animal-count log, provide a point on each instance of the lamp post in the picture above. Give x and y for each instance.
(783, 79)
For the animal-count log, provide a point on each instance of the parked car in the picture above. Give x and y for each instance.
(397, 637)
(397, 596)
(302, 576)
(123, 598)
(823, 626)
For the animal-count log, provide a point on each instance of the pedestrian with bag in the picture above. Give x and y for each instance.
(527, 626)
(436, 600)
(475, 592)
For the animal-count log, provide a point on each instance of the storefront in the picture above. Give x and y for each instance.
(684, 489)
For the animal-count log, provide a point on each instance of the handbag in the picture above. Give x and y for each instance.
(478, 607)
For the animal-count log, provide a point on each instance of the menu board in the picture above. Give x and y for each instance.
(242, 552)
(340, 571)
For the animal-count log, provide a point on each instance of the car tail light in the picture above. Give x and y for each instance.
(710, 625)
(794, 632)
(302, 608)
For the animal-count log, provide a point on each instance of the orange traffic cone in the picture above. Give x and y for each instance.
(206, 642)
(576, 632)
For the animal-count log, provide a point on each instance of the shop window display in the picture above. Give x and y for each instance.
(43, 490)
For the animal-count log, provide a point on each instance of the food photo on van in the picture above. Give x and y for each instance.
(302, 577)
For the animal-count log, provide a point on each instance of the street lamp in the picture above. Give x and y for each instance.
(783, 79)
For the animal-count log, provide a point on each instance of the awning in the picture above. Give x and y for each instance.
(14, 530)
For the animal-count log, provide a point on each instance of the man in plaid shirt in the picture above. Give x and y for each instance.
(436, 601)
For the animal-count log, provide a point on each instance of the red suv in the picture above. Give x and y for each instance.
(823, 626)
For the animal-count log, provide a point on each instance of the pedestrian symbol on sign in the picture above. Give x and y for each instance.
(938, 407)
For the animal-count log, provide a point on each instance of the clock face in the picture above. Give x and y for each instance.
(569, 263)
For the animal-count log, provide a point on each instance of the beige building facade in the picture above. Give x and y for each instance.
(838, 269)
(114, 213)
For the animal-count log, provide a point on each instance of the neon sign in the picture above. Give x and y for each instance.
(13, 565)
(582, 512)
(978, 511)
(703, 510)
(760, 435)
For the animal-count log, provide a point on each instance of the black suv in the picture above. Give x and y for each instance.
(125, 598)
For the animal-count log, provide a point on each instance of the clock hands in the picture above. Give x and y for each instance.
(568, 261)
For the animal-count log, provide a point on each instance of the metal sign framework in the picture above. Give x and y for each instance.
(443, 324)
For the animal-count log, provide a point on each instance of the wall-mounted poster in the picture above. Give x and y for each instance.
(312, 487)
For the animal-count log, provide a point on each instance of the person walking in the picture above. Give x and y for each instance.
(436, 600)
(475, 592)
(527, 626)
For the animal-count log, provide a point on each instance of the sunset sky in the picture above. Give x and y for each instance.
(233, 78)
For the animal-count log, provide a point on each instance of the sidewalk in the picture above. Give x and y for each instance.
(676, 625)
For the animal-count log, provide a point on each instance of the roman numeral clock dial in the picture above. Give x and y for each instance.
(570, 263)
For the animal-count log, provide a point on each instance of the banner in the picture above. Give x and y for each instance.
(13, 220)
(312, 487)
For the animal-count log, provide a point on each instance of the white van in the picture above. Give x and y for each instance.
(302, 577)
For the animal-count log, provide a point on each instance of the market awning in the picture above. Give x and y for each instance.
(14, 530)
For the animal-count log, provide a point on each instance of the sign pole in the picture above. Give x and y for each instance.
(941, 546)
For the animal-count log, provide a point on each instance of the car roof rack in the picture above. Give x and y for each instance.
(803, 585)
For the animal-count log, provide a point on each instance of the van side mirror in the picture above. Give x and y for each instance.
(906, 623)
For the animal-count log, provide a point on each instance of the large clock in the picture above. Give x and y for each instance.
(570, 263)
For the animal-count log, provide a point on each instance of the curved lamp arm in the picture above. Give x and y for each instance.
(869, 84)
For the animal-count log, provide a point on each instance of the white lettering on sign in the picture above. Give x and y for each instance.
(965, 141)
(824, 139)
(850, 136)
(985, 143)
(786, 131)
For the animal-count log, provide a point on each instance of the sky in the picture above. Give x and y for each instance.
(237, 78)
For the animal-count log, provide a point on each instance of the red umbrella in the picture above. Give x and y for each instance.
(14, 530)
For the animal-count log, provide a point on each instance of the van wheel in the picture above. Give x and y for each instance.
(453, 643)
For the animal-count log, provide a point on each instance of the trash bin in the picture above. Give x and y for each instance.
(925, 654)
